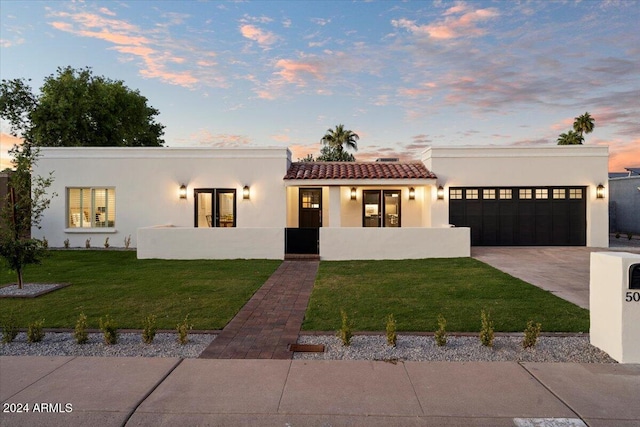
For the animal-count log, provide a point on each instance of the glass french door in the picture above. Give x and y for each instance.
(381, 208)
(215, 207)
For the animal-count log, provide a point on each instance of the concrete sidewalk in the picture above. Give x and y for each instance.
(155, 391)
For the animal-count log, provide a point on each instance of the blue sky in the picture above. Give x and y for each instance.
(403, 75)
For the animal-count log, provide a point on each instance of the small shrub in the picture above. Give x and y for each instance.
(392, 336)
(149, 329)
(87, 243)
(106, 243)
(486, 331)
(127, 241)
(66, 243)
(531, 334)
(441, 334)
(183, 329)
(345, 333)
(629, 236)
(10, 328)
(109, 330)
(80, 332)
(45, 242)
(35, 332)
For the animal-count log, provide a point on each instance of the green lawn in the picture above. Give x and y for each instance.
(212, 292)
(116, 283)
(415, 291)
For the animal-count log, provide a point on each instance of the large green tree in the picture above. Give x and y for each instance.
(584, 124)
(570, 138)
(339, 139)
(76, 108)
(25, 204)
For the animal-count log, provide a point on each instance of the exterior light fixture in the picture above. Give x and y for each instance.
(412, 193)
(440, 192)
(246, 192)
(353, 193)
(182, 192)
(600, 191)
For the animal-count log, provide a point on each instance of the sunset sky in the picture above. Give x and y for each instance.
(402, 75)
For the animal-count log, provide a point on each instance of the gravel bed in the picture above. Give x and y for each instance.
(574, 349)
(129, 344)
(28, 289)
(458, 349)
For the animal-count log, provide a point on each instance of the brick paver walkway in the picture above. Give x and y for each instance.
(271, 319)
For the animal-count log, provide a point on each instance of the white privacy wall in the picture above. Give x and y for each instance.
(146, 181)
(525, 166)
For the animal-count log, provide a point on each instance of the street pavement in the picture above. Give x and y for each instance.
(120, 391)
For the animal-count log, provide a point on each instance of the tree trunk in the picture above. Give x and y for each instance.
(19, 278)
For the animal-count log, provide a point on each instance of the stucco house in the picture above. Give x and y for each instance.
(204, 203)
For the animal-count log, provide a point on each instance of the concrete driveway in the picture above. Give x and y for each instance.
(563, 271)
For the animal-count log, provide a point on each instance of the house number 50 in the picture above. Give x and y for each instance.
(632, 296)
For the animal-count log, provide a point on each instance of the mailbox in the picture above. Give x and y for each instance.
(614, 304)
(634, 276)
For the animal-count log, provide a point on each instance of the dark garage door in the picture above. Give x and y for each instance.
(521, 216)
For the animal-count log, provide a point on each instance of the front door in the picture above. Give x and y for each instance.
(310, 208)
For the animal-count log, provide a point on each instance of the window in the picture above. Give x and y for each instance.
(559, 193)
(91, 207)
(455, 193)
(381, 208)
(575, 193)
(311, 199)
(488, 194)
(525, 193)
(505, 193)
(542, 193)
(215, 207)
(472, 194)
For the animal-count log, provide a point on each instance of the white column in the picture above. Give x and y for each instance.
(334, 207)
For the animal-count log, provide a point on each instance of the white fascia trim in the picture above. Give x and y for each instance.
(529, 152)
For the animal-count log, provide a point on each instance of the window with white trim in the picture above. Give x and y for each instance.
(91, 207)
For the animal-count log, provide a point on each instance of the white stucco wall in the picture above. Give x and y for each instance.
(525, 166)
(210, 243)
(146, 181)
(393, 243)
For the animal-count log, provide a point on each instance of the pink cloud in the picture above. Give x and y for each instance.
(154, 48)
(297, 71)
(459, 21)
(264, 38)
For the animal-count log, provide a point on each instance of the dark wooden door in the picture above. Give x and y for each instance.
(310, 209)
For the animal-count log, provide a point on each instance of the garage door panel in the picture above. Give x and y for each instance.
(524, 216)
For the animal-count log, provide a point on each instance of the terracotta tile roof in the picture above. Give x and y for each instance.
(358, 170)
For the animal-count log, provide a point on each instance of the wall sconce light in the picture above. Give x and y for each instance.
(246, 192)
(412, 193)
(440, 192)
(600, 191)
(182, 192)
(353, 193)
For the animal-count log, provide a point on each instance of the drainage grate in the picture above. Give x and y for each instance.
(307, 348)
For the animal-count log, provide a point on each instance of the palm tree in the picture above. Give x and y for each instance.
(583, 124)
(570, 138)
(340, 138)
